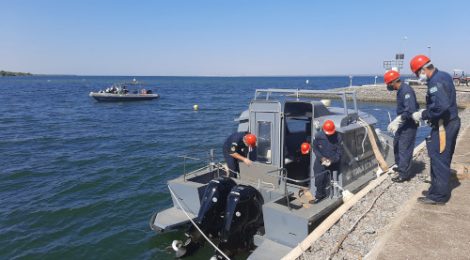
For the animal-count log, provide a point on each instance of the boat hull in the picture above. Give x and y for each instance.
(108, 97)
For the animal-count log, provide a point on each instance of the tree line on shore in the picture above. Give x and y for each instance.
(4, 73)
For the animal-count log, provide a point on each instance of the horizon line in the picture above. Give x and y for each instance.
(219, 76)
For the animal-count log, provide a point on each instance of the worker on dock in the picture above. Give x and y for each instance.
(327, 149)
(236, 148)
(441, 113)
(403, 127)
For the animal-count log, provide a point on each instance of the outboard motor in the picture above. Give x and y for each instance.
(243, 218)
(210, 217)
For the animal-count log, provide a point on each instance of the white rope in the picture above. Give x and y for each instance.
(364, 125)
(389, 145)
(361, 123)
(195, 225)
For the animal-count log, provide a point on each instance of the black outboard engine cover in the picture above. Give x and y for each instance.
(211, 213)
(243, 218)
(213, 204)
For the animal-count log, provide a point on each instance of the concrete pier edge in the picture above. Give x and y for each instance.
(379, 93)
(430, 237)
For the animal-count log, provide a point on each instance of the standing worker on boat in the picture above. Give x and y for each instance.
(236, 148)
(327, 149)
(403, 127)
(441, 113)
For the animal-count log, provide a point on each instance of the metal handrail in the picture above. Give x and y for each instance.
(210, 160)
(217, 165)
(298, 92)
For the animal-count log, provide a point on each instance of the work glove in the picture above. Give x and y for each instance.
(417, 116)
(395, 124)
(247, 161)
(326, 162)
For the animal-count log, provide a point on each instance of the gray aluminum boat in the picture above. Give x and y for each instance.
(120, 93)
(261, 211)
(112, 97)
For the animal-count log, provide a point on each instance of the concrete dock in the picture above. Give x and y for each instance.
(379, 93)
(433, 232)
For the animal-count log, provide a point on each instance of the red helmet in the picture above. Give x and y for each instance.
(329, 127)
(390, 76)
(418, 62)
(305, 148)
(250, 140)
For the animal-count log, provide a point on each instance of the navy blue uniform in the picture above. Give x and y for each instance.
(441, 104)
(329, 147)
(404, 140)
(234, 144)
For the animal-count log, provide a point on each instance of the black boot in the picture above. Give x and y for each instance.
(425, 200)
(399, 179)
(317, 199)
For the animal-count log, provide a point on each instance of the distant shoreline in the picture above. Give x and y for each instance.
(4, 73)
(192, 76)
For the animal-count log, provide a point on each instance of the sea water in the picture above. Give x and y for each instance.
(80, 179)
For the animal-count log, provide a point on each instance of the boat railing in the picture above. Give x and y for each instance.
(210, 162)
(281, 174)
(303, 93)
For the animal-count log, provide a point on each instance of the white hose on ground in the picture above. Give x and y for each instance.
(195, 225)
(337, 214)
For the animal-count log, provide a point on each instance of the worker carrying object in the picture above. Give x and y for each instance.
(236, 148)
(327, 149)
(403, 126)
(441, 114)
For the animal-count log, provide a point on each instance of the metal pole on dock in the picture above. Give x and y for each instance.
(404, 43)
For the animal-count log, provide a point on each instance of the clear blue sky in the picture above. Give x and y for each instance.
(228, 37)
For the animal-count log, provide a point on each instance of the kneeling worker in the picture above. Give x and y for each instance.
(327, 149)
(236, 148)
(403, 126)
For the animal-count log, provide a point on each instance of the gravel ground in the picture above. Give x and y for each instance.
(391, 198)
(464, 117)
